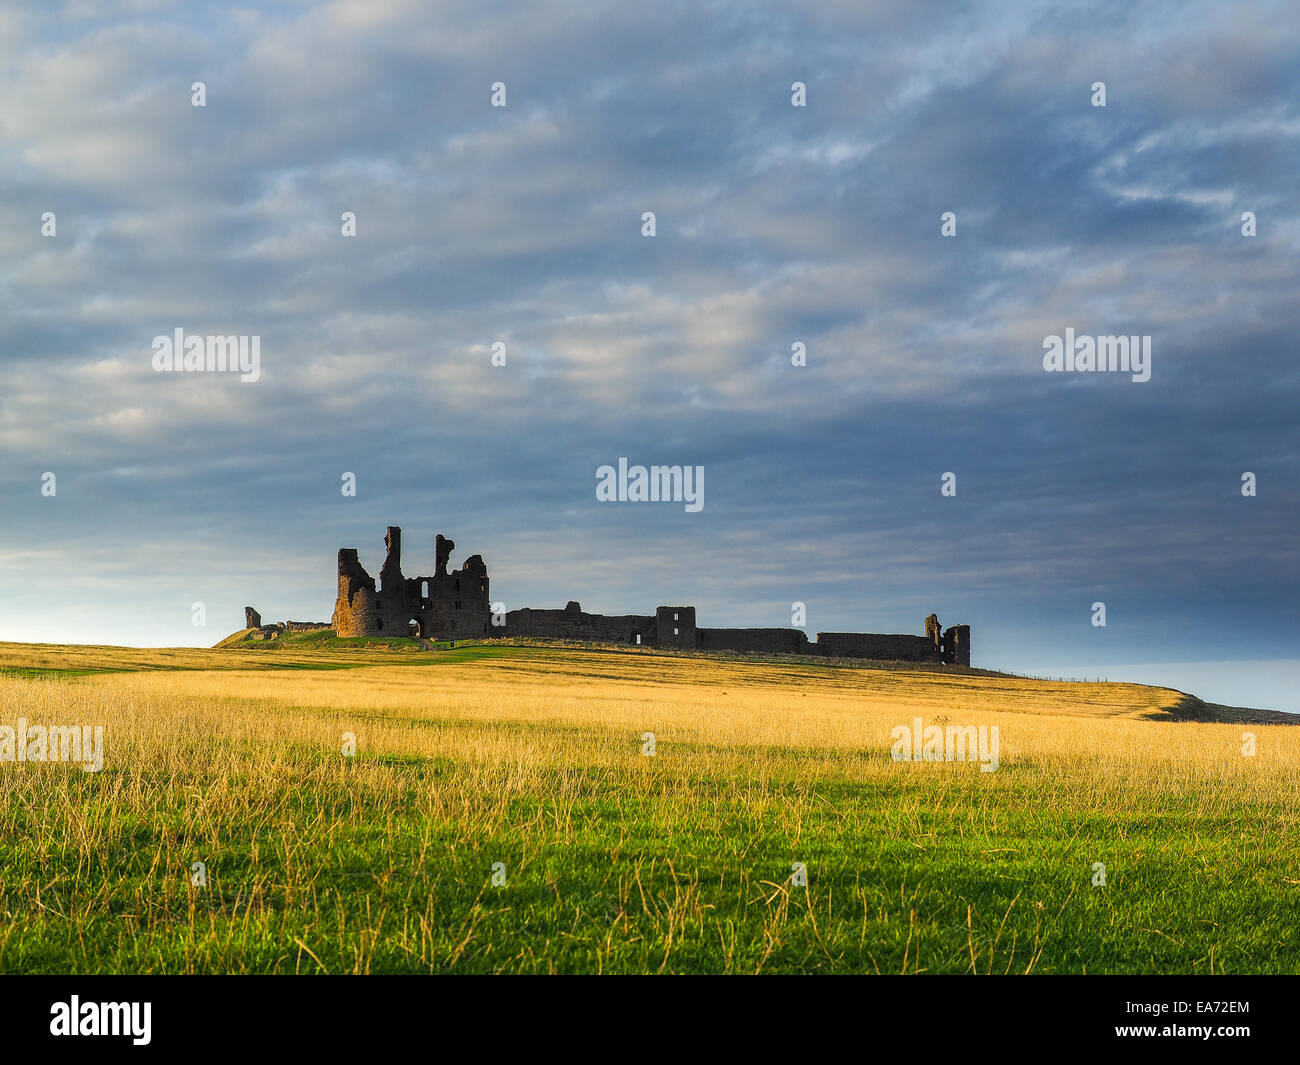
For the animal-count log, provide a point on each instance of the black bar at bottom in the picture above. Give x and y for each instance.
(338, 1014)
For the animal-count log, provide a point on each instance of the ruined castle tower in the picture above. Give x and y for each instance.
(391, 574)
(444, 605)
(933, 633)
(956, 645)
(675, 626)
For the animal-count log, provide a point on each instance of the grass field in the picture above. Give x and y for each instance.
(615, 861)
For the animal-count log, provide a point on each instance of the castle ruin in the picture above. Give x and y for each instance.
(444, 605)
(455, 605)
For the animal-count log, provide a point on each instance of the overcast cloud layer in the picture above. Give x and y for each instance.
(775, 224)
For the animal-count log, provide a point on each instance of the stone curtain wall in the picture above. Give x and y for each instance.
(889, 648)
(771, 641)
(572, 623)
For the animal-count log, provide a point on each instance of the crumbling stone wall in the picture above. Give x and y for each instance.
(769, 641)
(674, 626)
(950, 646)
(883, 648)
(572, 623)
(271, 632)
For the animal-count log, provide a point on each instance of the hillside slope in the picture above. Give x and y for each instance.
(877, 686)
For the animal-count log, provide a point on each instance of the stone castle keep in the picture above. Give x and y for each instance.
(445, 605)
(454, 604)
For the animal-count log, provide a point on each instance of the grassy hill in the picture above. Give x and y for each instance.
(615, 860)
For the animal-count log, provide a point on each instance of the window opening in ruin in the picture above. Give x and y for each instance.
(379, 623)
(638, 639)
(675, 632)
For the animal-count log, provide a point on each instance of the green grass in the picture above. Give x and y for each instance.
(689, 883)
(323, 640)
(39, 672)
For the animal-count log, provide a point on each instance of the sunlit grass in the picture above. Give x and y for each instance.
(618, 862)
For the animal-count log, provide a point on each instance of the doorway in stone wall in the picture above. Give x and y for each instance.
(415, 629)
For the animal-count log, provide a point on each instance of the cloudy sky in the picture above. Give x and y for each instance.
(775, 225)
